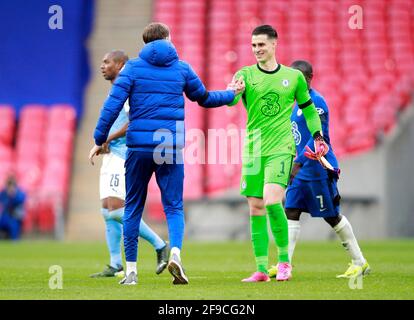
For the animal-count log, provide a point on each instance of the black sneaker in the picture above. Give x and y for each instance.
(129, 280)
(177, 270)
(109, 271)
(162, 259)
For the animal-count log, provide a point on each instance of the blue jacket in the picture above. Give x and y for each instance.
(154, 83)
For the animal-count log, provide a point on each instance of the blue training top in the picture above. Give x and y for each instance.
(311, 169)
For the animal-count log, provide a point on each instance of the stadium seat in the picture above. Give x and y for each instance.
(28, 175)
(41, 158)
(62, 117)
(32, 112)
(31, 208)
(6, 153)
(360, 139)
(403, 91)
(46, 214)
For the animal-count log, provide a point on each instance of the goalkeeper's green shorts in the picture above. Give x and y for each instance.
(257, 171)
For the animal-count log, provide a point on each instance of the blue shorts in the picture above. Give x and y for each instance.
(320, 198)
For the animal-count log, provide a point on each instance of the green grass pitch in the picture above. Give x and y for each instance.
(214, 271)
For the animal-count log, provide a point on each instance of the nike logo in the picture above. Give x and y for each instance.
(323, 209)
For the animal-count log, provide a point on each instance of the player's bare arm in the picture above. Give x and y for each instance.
(118, 134)
(97, 150)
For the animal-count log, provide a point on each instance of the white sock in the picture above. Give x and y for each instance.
(344, 231)
(175, 250)
(131, 267)
(294, 231)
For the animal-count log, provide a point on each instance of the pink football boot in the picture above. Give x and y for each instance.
(257, 277)
(284, 271)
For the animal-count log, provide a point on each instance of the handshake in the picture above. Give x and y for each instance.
(237, 85)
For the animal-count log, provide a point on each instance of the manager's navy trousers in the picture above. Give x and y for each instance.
(139, 167)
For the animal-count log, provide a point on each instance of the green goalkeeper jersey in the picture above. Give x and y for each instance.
(268, 99)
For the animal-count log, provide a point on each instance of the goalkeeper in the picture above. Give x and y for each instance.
(313, 188)
(269, 148)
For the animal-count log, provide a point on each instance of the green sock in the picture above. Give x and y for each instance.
(279, 227)
(260, 241)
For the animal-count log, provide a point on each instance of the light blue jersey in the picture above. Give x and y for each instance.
(118, 146)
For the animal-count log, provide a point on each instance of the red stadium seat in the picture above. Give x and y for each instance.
(33, 112)
(383, 115)
(28, 175)
(31, 208)
(403, 91)
(6, 153)
(194, 158)
(162, 6)
(41, 158)
(46, 214)
(62, 117)
(360, 139)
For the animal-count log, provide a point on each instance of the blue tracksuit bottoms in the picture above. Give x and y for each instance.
(139, 167)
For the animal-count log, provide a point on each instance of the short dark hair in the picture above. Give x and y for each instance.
(304, 66)
(265, 29)
(155, 31)
(118, 56)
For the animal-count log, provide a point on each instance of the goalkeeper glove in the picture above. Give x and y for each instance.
(321, 147)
